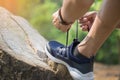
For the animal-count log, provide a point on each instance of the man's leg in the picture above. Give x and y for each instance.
(105, 22)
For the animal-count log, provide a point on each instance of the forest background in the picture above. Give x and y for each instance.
(39, 14)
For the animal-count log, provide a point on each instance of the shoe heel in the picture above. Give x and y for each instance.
(76, 75)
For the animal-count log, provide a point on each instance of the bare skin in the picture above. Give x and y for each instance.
(87, 21)
(107, 18)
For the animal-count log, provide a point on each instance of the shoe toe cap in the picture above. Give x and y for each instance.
(53, 45)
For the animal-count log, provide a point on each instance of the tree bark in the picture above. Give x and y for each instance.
(22, 55)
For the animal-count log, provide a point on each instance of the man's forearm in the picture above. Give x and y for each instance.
(74, 9)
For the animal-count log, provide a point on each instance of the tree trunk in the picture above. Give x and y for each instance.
(20, 45)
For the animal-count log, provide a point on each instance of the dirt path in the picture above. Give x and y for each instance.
(106, 72)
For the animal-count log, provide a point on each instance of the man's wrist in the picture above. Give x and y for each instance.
(61, 20)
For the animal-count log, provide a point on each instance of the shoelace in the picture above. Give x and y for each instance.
(67, 34)
(64, 50)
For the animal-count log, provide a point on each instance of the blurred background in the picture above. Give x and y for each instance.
(39, 14)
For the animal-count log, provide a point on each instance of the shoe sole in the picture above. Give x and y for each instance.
(76, 74)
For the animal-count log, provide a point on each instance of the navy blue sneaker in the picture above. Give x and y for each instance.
(79, 69)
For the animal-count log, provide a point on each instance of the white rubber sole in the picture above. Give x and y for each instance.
(76, 74)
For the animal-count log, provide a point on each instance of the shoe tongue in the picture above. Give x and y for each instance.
(74, 44)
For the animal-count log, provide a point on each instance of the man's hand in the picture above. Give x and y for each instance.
(56, 22)
(87, 20)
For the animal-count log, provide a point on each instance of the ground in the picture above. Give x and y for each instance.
(106, 72)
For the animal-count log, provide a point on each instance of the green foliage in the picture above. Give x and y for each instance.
(26, 7)
(109, 51)
(96, 5)
(41, 19)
